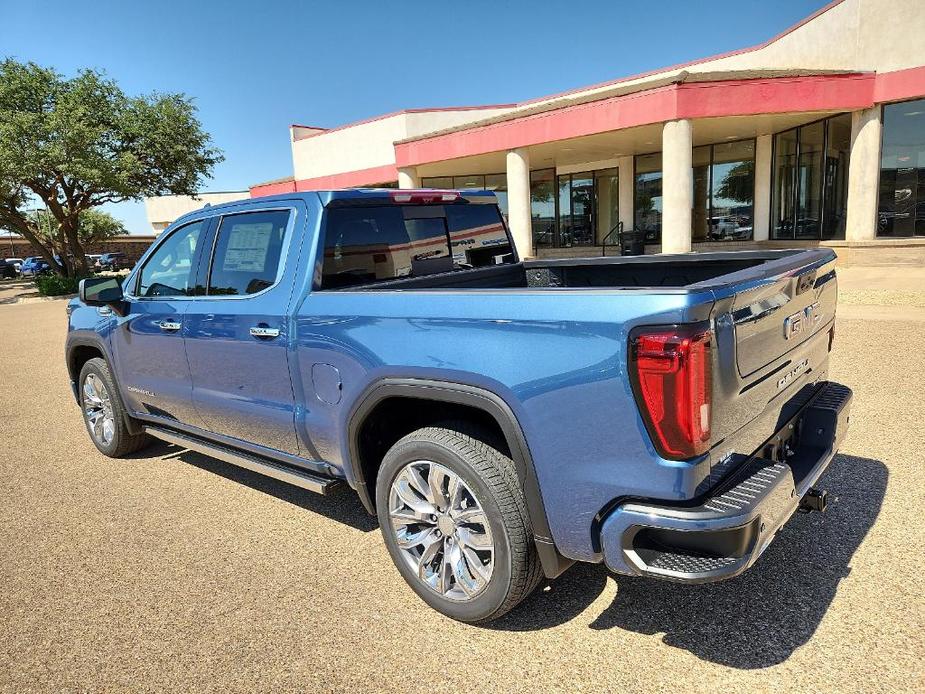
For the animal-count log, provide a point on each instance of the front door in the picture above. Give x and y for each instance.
(237, 334)
(148, 339)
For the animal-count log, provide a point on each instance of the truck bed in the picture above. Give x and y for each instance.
(655, 271)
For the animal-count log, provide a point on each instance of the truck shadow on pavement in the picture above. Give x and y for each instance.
(753, 621)
(341, 505)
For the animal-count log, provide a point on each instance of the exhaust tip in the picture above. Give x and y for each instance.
(814, 500)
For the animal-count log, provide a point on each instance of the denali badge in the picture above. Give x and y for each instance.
(785, 380)
(802, 321)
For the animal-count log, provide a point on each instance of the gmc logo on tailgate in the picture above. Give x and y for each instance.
(802, 321)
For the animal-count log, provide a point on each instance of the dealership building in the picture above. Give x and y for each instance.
(816, 136)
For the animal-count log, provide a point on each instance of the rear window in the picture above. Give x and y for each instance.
(365, 245)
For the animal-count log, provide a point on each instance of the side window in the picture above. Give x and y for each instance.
(248, 251)
(369, 244)
(170, 271)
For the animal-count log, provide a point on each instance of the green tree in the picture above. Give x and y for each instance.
(94, 226)
(73, 144)
(739, 183)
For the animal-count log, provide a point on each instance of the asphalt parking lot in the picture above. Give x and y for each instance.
(173, 571)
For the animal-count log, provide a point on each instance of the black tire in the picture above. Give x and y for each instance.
(123, 442)
(492, 476)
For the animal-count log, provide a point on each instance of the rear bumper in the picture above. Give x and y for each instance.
(727, 532)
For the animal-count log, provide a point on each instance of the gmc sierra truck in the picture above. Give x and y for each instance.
(665, 415)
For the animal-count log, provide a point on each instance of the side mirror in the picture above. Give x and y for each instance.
(100, 291)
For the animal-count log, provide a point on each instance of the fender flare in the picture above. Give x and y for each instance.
(93, 340)
(478, 398)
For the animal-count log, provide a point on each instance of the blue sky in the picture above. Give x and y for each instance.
(255, 67)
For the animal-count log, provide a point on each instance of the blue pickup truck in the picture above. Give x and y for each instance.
(665, 415)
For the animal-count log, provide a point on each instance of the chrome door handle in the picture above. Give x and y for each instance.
(264, 332)
(169, 326)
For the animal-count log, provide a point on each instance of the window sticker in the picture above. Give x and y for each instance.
(247, 247)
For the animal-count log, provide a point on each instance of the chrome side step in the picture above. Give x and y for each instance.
(254, 463)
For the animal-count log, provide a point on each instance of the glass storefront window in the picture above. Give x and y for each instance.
(700, 212)
(902, 170)
(543, 207)
(809, 181)
(732, 191)
(838, 146)
(494, 182)
(783, 192)
(576, 209)
(647, 197)
(607, 212)
(498, 183)
(809, 191)
(438, 182)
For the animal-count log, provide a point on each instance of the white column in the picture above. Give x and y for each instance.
(408, 178)
(627, 188)
(863, 175)
(677, 186)
(518, 201)
(762, 221)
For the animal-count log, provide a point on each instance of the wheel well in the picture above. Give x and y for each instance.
(394, 417)
(79, 356)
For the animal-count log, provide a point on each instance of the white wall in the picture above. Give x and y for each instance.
(857, 35)
(163, 210)
(370, 145)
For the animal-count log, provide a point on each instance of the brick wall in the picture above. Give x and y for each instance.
(132, 246)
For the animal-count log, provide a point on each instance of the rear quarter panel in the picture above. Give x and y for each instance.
(557, 357)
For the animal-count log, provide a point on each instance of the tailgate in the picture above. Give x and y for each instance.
(773, 326)
(775, 318)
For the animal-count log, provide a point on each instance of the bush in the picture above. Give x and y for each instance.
(55, 285)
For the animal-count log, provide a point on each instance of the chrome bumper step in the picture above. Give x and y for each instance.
(727, 532)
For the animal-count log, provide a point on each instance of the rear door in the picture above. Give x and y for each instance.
(237, 334)
(148, 340)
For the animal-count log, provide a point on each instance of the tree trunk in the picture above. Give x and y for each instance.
(71, 227)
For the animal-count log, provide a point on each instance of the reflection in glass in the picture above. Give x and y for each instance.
(438, 182)
(582, 231)
(543, 207)
(607, 212)
(700, 212)
(836, 177)
(783, 196)
(648, 196)
(809, 181)
(493, 182)
(732, 191)
(498, 183)
(902, 170)
(810, 186)
(565, 211)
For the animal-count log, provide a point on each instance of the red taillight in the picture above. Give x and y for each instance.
(424, 197)
(673, 383)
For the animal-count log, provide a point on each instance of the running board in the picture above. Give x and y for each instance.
(254, 463)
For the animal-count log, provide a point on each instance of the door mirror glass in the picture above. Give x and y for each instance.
(99, 291)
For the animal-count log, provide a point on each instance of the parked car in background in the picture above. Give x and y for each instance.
(112, 261)
(92, 259)
(33, 266)
(8, 269)
(17, 262)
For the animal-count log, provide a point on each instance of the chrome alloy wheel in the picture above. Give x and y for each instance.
(441, 530)
(98, 409)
